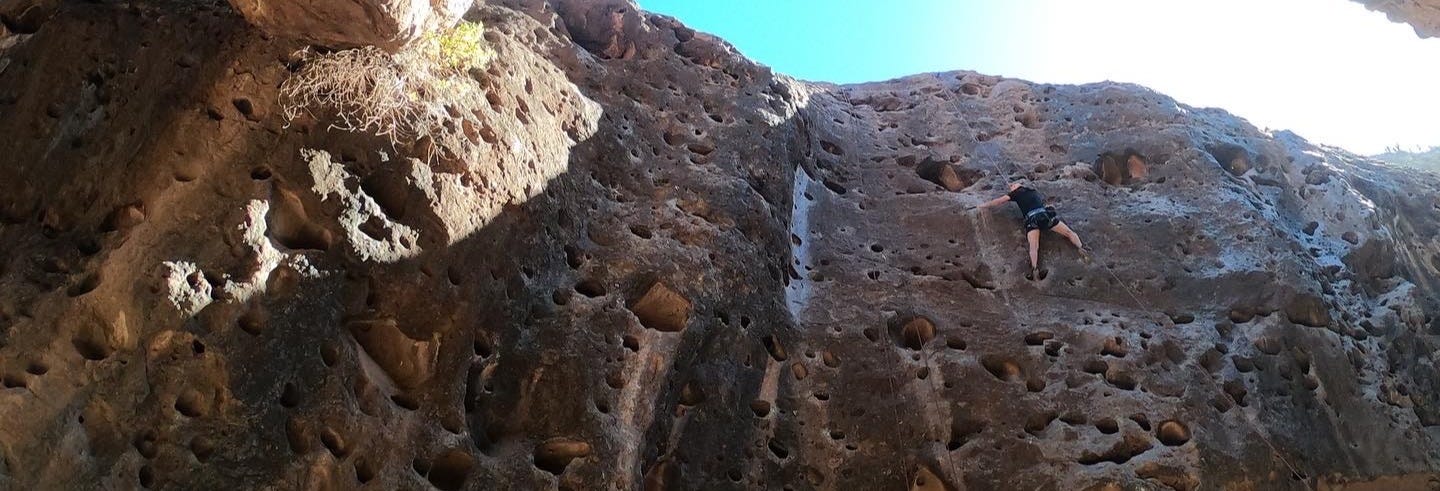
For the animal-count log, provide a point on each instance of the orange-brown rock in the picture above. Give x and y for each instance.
(671, 268)
(389, 24)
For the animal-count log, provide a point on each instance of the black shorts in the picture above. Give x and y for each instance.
(1044, 220)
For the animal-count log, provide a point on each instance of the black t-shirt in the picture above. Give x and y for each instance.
(1027, 199)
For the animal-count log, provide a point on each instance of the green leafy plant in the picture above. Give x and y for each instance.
(461, 49)
(422, 93)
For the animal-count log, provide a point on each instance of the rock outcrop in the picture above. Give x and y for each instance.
(389, 24)
(675, 269)
(1424, 15)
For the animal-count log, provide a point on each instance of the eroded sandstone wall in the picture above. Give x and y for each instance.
(674, 269)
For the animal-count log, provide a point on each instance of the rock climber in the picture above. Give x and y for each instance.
(1038, 216)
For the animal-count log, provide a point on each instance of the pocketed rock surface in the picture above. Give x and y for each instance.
(674, 269)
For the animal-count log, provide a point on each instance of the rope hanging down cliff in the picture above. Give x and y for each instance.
(935, 392)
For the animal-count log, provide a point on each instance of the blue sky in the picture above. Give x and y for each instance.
(1328, 69)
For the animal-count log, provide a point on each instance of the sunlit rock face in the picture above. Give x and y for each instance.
(1424, 15)
(390, 24)
(675, 269)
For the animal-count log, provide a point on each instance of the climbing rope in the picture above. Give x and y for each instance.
(912, 474)
(930, 375)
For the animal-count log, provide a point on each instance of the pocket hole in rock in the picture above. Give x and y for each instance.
(1114, 347)
(778, 450)
(86, 284)
(88, 246)
(962, 431)
(482, 347)
(244, 105)
(1053, 348)
(147, 477)
(1142, 420)
(13, 381)
(662, 309)
(590, 288)
(1233, 158)
(761, 408)
(289, 395)
(773, 346)
(406, 401)
(1038, 338)
(92, 349)
(191, 404)
(329, 354)
(1173, 433)
(1037, 423)
(1121, 380)
(365, 470)
(450, 471)
(573, 257)
(1002, 368)
(916, 332)
(556, 455)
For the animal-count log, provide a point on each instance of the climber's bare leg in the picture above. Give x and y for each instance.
(1034, 237)
(1064, 230)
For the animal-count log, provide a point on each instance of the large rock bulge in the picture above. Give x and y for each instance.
(388, 24)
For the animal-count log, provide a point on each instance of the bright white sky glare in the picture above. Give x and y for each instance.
(1329, 70)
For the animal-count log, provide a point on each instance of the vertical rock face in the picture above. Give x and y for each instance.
(674, 269)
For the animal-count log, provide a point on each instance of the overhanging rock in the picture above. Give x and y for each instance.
(388, 24)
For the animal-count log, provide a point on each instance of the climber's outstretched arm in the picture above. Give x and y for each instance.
(996, 202)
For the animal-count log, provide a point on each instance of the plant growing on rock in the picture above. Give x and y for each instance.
(423, 95)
